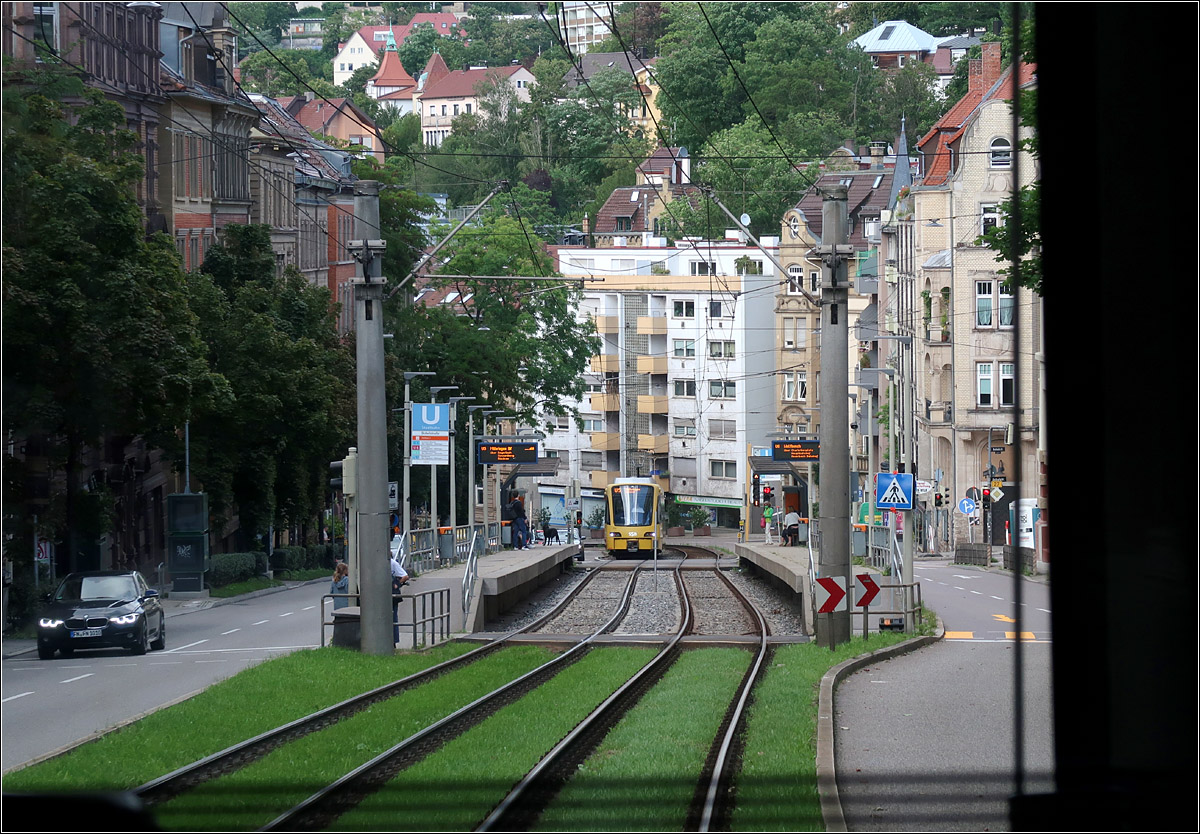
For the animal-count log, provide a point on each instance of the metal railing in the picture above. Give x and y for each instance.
(431, 615)
(471, 573)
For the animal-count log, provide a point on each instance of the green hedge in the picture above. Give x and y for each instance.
(228, 568)
(291, 558)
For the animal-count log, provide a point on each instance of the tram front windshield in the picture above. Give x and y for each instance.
(633, 505)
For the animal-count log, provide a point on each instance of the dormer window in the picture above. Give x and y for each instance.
(1001, 150)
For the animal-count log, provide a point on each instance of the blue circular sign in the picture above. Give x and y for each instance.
(966, 506)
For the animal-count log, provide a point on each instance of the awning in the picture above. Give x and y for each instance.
(763, 465)
(708, 501)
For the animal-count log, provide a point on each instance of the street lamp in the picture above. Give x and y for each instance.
(454, 401)
(407, 440)
(433, 488)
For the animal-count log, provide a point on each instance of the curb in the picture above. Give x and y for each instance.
(827, 789)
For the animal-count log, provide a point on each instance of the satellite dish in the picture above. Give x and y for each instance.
(745, 218)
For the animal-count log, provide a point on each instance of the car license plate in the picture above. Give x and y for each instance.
(87, 632)
(631, 545)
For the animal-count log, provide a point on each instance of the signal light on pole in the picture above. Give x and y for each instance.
(987, 494)
(766, 492)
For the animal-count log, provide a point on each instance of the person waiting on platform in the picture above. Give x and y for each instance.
(768, 519)
(791, 529)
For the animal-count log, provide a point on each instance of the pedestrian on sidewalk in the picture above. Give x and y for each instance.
(768, 520)
(520, 524)
(340, 585)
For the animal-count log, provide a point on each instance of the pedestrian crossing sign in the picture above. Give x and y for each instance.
(894, 491)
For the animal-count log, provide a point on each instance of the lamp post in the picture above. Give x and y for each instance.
(433, 487)
(454, 401)
(472, 463)
(487, 414)
(405, 505)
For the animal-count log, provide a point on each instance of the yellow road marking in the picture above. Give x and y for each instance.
(1003, 618)
(1025, 635)
(960, 635)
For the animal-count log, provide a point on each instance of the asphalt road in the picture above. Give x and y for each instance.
(925, 741)
(51, 704)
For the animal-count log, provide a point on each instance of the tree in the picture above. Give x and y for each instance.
(99, 339)
(423, 40)
(264, 452)
(262, 73)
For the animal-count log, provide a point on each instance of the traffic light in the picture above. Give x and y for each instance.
(766, 491)
(937, 499)
(987, 494)
(345, 473)
(755, 491)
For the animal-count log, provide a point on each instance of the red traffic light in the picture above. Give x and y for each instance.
(987, 494)
(766, 492)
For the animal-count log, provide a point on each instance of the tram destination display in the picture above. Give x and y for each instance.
(486, 453)
(795, 450)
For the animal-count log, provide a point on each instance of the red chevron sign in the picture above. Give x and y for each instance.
(831, 592)
(869, 589)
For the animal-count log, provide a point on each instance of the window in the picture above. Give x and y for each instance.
(624, 224)
(746, 266)
(722, 430)
(342, 67)
(717, 310)
(814, 280)
(552, 454)
(590, 460)
(989, 217)
(432, 110)
(992, 297)
(685, 388)
(685, 427)
(685, 348)
(685, 309)
(795, 333)
(983, 383)
(722, 389)
(1008, 391)
(726, 469)
(591, 424)
(443, 110)
(795, 386)
(468, 107)
(456, 110)
(1001, 153)
(720, 350)
(795, 281)
(983, 303)
(703, 268)
(45, 25)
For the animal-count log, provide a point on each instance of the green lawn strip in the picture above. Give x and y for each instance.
(251, 702)
(777, 784)
(644, 774)
(254, 795)
(455, 788)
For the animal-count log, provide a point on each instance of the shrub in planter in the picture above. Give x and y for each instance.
(228, 568)
(700, 521)
(290, 558)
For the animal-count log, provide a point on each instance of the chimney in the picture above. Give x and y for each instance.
(991, 63)
(974, 74)
(586, 229)
(878, 150)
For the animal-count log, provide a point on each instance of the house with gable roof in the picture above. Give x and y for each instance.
(977, 373)
(442, 94)
(896, 43)
(391, 85)
(363, 47)
(633, 214)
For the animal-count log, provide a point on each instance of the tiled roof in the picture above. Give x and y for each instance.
(867, 196)
(444, 22)
(277, 124)
(594, 62)
(316, 114)
(464, 82)
(391, 72)
(638, 203)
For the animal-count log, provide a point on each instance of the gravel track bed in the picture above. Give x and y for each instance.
(592, 607)
(715, 610)
(654, 608)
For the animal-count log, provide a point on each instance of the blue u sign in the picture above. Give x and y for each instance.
(431, 416)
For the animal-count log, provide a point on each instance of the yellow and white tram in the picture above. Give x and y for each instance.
(634, 518)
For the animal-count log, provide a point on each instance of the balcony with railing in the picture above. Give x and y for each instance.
(654, 443)
(605, 402)
(601, 478)
(606, 363)
(605, 441)
(607, 324)
(652, 325)
(652, 364)
(652, 404)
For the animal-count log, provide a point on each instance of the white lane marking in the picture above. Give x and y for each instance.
(15, 697)
(257, 649)
(964, 576)
(309, 608)
(999, 598)
(78, 678)
(959, 588)
(288, 614)
(977, 592)
(1043, 610)
(231, 631)
(188, 646)
(212, 661)
(260, 622)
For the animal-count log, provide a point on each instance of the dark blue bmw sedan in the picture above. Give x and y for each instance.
(101, 609)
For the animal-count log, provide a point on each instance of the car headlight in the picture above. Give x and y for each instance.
(124, 619)
(49, 622)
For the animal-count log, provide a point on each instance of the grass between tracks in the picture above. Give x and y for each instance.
(253, 701)
(644, 774)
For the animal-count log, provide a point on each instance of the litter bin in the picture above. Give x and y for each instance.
(446, 545)
(802, 531)
(347, 630)
(506, 532)
(859, 545)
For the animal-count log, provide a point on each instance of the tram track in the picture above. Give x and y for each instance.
(615, 591)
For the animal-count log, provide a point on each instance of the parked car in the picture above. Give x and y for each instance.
(101, 609)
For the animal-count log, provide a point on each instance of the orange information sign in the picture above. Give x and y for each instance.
(795, 450)
(506, 452)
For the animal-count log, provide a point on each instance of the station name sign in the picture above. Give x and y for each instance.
(795, 450)
(506, 452)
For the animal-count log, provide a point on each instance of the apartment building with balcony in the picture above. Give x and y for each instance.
(683, 384)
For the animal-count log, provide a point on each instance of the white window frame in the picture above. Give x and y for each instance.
(688, 386)
(985, 303)
(720, 470)
(984, 385)
(702, 268)
(721, 350)
(722, 389)
(683, 348)
(989, 217)
(1000, 152)
(1007, 384)
(795, 386)
(684, 427)
(722, 429)
(688, 309)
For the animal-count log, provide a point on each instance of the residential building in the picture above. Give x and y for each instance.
(305, 33)
(632, 215)
(645, 116)
(442, 94)
(895, 44)
(977, 375)
(949, 52)
(124, 69)
(204, 130)
(582, 23)
(335, 118)
(363, 47)
(392, 85)
(682, 386)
